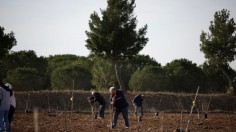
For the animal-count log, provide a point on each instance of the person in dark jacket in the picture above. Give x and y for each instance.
(102, 103)
(120, 105)
(137, 102)
(4, 107)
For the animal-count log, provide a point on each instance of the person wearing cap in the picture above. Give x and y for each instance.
(102, 103)
(137, 103)
(4, 107)
(12, 104)
(120, 105)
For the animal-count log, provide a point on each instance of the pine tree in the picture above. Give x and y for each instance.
(114, 35)
(219, 46)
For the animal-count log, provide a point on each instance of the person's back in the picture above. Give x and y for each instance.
(99, 98)
(5, 101)
(138, 100)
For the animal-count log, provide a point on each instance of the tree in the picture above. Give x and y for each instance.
(25, 59)
(185, 75)
(103, 73)
(59, 61)
(214, 81)
(114, 36)
(7, 41)
(26, 79)
(140, 61)
(150, 78)
(62, 78)
(219, 46)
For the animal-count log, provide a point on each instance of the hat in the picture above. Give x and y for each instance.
(112, 88)
(9, 85)
(93, 92)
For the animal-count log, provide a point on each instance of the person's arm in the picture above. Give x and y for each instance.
(96, 97)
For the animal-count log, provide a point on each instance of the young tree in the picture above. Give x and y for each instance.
(114, 36)
(219, 46)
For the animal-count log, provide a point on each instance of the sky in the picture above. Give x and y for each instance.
(52, 27)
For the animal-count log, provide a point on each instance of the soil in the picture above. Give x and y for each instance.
(83, 122)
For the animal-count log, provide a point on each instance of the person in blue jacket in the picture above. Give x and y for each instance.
(120, 105)
(137, 102)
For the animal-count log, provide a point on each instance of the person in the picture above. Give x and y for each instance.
(12, 104)
(138, 107)
(102, 103)
(4, 107)
(120, 105)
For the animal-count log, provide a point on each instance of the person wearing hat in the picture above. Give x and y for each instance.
(12, 104)
(138, 107)
(4, 107)
(120, 105)
(102, 103)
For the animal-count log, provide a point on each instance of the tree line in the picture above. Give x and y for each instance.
(26, 72)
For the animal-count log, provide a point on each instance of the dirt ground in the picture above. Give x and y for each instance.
(83, 122)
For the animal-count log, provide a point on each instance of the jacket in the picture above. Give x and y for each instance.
(5, 98)
(138, 100)
(120, 100)
(99, 98)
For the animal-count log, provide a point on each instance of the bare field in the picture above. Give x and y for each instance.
(79, 122)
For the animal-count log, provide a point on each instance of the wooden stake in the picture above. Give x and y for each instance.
(192, 109)
(36, 121)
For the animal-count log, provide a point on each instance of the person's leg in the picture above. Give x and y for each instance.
(102, 111)
(141, 110)
(6, 121)
(1, 121)
(135, 109)
(10, 114)
(115, 117)
(125, 116)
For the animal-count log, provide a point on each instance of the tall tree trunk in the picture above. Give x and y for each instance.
(230, 81)
(118, 75)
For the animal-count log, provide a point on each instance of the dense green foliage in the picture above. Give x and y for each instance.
(150, 78)
(114, 36)
(185, 76)
(103, 73)
(63, 78)
(26, 79)
(219, 46)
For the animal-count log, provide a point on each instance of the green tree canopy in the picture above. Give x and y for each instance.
(56, 61)
(150, 78)
(114, 36)
(103, 74)
(62, 78)
(25, 59)
(214, 81)
(139, 61)
(219, 46)
(26, 79)
(185, 75)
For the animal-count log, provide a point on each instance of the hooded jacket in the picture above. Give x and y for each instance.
(5, 98)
